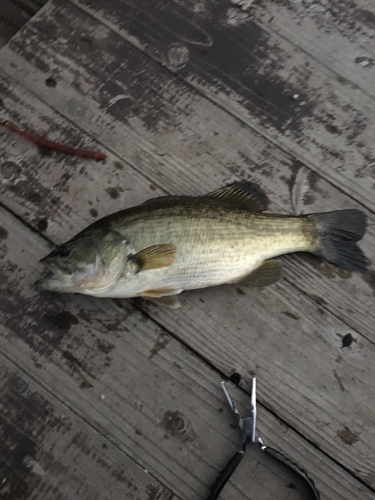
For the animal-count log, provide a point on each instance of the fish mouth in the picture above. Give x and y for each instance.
(58, 278)
(53, 279)
(49, 282)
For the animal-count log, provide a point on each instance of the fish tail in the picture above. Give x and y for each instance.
(338, 233)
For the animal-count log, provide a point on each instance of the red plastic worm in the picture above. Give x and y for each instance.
(62, 148)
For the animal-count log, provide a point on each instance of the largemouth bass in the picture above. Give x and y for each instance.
(174, 243)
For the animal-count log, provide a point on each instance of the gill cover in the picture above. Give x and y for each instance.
(92, 260)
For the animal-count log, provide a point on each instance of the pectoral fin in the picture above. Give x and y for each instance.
(266, 274)
(154, 257)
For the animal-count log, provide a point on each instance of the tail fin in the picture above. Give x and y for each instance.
(337, 233)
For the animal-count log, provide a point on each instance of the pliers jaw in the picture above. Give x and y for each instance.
(247, 425)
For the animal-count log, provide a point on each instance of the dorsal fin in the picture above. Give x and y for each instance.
(241, 195)
(244, 195)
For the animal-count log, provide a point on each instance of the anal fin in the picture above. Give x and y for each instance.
(268, 273)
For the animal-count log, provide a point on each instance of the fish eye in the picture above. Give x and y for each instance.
(64, 251)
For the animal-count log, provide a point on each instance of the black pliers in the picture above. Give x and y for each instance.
(250, 436)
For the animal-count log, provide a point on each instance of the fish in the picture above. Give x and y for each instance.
(170, 244)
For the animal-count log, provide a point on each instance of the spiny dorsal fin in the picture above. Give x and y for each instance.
(266, 274)
(154, 257)
(241, 195)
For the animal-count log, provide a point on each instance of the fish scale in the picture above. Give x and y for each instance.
(218, 251)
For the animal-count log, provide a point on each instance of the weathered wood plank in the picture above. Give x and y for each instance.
(80, 369)
(12, 18)
(260, 77)
(47, 451)
(30, 6)
(24, 168)
(339, 35)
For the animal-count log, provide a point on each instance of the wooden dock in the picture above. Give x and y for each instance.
(120, 399)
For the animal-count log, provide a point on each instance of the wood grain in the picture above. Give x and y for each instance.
(47, 451)
(310, 339)
(297, 102)
(340, 36)
(30, 6)
(12, 18)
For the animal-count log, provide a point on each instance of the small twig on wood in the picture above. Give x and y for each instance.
(62, 148)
